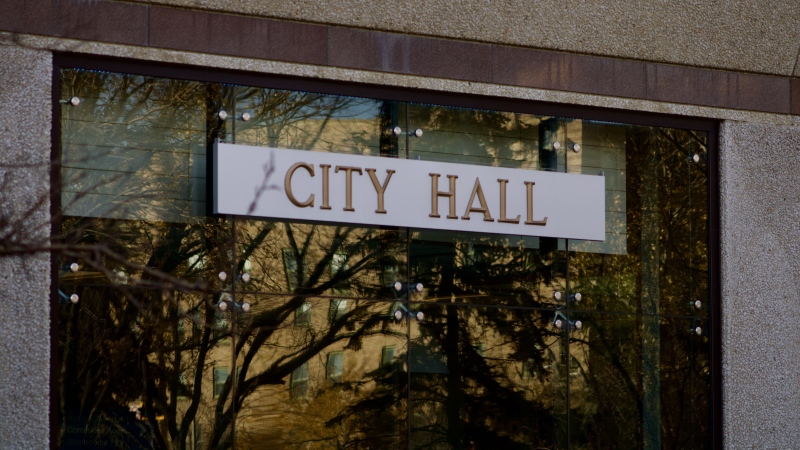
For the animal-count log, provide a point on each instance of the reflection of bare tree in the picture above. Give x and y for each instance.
(130, 133)
(149, 360)
(658, 369)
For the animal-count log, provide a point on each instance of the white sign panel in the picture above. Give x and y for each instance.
(368, 190)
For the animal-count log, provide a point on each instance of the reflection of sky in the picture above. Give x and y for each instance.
(347, 107)
(350, 108)
(360, 108)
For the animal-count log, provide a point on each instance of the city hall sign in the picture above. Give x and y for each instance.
(367, 190)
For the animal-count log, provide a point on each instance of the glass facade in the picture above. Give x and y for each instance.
(315, 348)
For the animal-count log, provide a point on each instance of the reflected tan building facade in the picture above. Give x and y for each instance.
(689, 124)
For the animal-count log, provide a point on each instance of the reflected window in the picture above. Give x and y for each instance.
(183, 384)
(387, 357)
(528, 369)
(290, 266)
(302, 315)
(337, 310)
(335, 366)
(220, 377)
(299, 381)
(220, 327)
(390, 276)
(338, 265)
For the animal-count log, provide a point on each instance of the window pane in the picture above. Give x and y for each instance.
(310, 383)
(220, 377)
(338, 308)
(136, 360)
(135, 148)
(335, 366)
(655, 257)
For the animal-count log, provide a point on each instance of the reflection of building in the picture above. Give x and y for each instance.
(672, 132)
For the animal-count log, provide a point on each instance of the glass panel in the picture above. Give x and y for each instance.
(309, 121)
(146, 254)
(482, 137)
(654, 259)
(337, 261)
(486, 378)
(487, 269)
(696, 285)
(639, 382)
(605, 367)
(141, 369)
(318, 383)
(134, 181)
(134, 148)
(685, 383)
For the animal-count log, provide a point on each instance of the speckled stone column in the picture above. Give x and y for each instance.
(25, 123)
(760, 209)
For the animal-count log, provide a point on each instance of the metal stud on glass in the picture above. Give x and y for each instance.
(73, 267)
(222, 306)
(696, 158)
(416, 133)
(74, 101)
(556, 145)
(558, 323)
(74, 298)
(697, 330)
(419, 287)
(222, 115)
(578, 324)
(576, 148)
(576, 297)
(223, 276)
(398, 315)
(398, 286)
(557, 295)
(246, 307)
(245, 277)
(245, 117)
(420, 316)
(396, 131)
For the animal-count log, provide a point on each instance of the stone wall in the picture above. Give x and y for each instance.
(760, 209)
(751, 36)
(25, 83)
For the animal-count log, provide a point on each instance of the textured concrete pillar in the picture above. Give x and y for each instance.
(25, 123)
(760, 183)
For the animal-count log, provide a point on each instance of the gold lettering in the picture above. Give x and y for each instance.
(503, 217)
(477, 189)
(287, 184)
(325, 186)
(378, 188)
(530, 221)
(436, 193)
(348, 171)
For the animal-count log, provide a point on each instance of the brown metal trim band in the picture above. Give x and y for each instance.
(336, 46)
